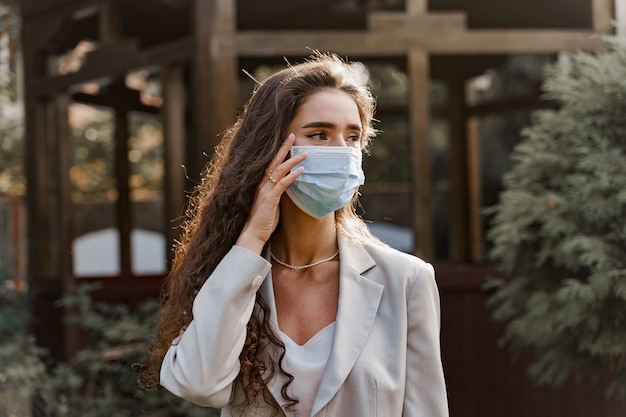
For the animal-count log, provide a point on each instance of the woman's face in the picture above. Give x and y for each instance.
(329, 117)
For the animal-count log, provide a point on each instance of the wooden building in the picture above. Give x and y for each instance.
(177, 65)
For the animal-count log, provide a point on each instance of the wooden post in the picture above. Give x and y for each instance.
(111, 31)
(474, 184)
(173, 116)
(620, 17)
(63, 159)
(42, 282)
(110, 21)
(459, 250)
(64, 213)
(214, 74)
(419, 120)
(124, 206)
(39, 259)
(602, 15)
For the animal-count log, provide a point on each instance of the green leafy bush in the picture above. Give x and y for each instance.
(560, 227)
(21, 361)
(99, 381)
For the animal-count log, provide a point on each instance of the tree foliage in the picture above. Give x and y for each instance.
(560, 227)
(21, 361)
(11, 126)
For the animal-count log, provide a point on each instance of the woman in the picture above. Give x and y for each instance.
(280, 301)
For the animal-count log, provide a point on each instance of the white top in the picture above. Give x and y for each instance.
(307, 363)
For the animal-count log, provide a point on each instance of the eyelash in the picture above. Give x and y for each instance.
(354, 137)
(317, 135)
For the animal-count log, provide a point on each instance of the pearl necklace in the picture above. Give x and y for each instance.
(321, 261)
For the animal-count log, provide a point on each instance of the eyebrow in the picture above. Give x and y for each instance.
(328, 125)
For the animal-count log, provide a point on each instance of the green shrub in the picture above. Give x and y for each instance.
(21, 361)
(560, 227)
(99, 381)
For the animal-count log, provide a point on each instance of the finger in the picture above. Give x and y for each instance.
(284, 168)
(287, 165)
(282, 152)
(287, 180)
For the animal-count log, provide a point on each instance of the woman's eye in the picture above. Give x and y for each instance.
(354, 138)
(317, 135)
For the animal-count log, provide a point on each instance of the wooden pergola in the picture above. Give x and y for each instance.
(199, 73)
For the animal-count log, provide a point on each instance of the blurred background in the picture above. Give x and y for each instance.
(109, 110)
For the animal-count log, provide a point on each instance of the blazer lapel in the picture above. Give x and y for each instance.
(359, 298)
(276, 383)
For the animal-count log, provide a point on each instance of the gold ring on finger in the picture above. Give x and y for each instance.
(272, 179)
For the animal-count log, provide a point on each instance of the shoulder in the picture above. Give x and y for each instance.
(393, 265)
(383, 264)
(384, 254)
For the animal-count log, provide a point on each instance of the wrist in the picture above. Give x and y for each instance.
(251, 243)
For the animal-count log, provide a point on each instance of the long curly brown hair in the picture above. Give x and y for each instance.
(221, 203)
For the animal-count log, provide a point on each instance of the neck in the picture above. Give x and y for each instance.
(301, 239)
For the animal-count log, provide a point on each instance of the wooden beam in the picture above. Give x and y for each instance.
(113, 66)
(33, 9)
(419, 120)
(414, 7)
(354, 43)
(431, 23)
(257, 43)
(505, 105)
(103, 100)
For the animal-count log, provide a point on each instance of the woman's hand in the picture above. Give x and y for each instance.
(264, 215)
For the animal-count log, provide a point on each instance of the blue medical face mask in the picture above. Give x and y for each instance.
(330, 178)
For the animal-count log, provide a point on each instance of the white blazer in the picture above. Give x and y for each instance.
(385, 360)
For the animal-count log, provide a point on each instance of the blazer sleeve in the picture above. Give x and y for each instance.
(203, 362)
(425, 394)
